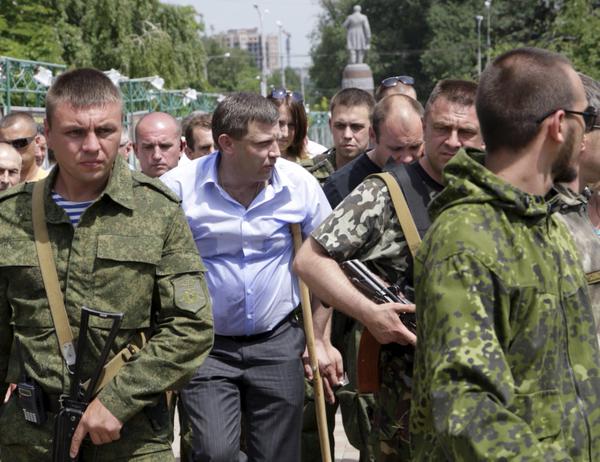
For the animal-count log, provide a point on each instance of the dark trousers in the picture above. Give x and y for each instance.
(261, 377)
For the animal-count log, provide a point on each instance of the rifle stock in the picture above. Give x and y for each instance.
(369, 348)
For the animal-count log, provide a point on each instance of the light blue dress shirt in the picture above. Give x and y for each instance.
(248, 252)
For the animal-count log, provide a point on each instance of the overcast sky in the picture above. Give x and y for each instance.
(299, 18)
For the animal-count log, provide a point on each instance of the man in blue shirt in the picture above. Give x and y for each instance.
(240, 202)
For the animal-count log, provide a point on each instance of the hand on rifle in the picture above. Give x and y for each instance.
(330, 368)
(102, 426)
(385, 325)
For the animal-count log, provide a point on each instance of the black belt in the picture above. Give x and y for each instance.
(261, 335)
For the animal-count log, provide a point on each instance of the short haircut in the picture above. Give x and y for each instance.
(81, 88)
(351, 97)
(234, 114)
(17, 116)
(191, 122)
(461, 92)
(300, 121)
(176, 122)
(383, 108)
(592, 90)
(518, 88)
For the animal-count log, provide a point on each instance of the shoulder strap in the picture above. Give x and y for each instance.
(417, 196)
(50, 277)
(411, 234)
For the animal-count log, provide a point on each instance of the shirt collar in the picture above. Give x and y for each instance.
(279, 179)
(119, 189)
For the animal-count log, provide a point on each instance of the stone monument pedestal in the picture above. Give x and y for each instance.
(358, 76)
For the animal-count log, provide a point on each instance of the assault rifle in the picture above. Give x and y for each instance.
(368, 352)
(81, 393)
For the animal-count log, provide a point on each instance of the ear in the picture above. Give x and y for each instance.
(226, 143)
(556, 127)
(183, 145)
(46, 128)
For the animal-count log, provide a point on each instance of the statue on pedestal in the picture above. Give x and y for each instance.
(358, 35)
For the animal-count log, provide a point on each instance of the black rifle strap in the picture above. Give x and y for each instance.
(416, 194)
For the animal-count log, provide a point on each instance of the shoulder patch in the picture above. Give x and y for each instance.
(155, 184)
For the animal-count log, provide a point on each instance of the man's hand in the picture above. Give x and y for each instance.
(330, 368)
(385, 325)
(9, 391)
(102, 426)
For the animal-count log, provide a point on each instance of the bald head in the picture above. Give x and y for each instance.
(10, 166)
(158, 143)
(397, 130)
(399, 88)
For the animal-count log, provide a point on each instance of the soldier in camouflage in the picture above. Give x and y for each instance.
(130, 251)
(350, 120)
(365, 226)
(574, 207)
(507, 366)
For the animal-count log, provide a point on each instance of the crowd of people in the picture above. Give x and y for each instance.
(480, 208)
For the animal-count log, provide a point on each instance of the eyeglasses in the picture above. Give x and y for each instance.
(282, 93)
(590, 114)
(19, 143)
(393, 81)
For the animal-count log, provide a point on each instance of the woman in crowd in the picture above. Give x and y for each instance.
(293, 124)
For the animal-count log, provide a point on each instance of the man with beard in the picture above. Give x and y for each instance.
(507, 366)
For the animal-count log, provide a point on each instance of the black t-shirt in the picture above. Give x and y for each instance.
(343, 181)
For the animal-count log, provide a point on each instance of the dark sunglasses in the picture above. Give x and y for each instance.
(393, 81)
(590, 114)
(282, 93)
(20, 143)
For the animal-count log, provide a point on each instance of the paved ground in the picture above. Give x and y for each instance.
(344, 451)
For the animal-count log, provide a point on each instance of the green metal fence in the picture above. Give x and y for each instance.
(23, 86)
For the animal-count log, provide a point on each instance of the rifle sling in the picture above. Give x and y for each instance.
(409, 228)
(56, 301)
(50, 277)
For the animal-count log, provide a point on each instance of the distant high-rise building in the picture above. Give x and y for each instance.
(249, 39)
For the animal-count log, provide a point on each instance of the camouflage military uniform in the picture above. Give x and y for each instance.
(507, 366)
(365, 226)
(573, 212)
(132, 252)
(322, 166)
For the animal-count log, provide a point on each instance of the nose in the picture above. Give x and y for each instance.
(274, 152)
(90, 143)
(284, 131)
(156, 152)
(348, 132)
(4, 177)
(453, 139)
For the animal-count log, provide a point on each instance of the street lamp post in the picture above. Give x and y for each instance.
(479, 18)
(263, 62)
(281, 66)
(210, 58)
(488, 6)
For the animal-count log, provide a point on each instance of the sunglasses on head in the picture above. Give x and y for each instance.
(590, 114)
(393, 81)
(282, 93)
(20, 143)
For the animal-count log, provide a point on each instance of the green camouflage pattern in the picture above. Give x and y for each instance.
(365, 226)
(573, 212)
(507, 365)
(322, 166)
(132, 252)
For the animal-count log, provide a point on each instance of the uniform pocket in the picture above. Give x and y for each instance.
(542, 410)
(124, 276)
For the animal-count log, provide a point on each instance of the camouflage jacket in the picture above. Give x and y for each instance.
(321, 166)
(573, 212)
(507, 365)
(132, 252)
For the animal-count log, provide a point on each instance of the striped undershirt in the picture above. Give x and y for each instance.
(74, 209)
